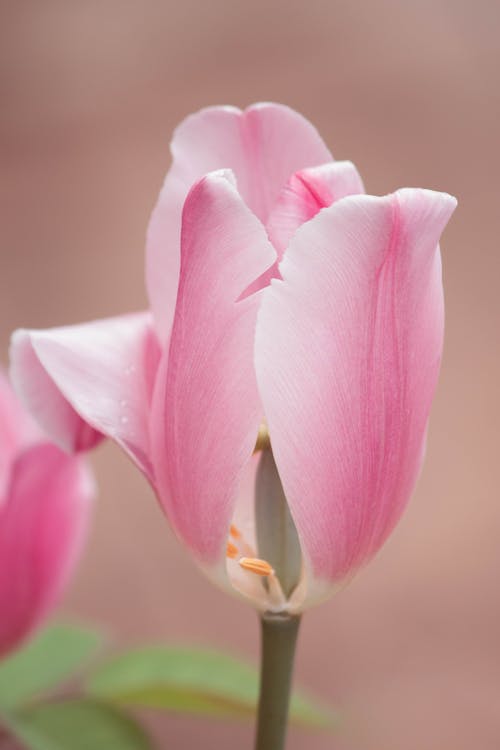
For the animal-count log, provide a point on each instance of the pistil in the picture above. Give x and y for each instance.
(276, 557)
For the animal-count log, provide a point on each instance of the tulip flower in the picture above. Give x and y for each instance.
(277, 393)
(45, 497)
(282, 299)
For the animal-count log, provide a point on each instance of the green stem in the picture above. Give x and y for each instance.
(279, 637)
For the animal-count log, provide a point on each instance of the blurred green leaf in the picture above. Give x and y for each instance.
(76, 725)
(191, 681)
(43, 663)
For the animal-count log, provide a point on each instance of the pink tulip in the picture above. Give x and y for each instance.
(45, 498)
(279, 292)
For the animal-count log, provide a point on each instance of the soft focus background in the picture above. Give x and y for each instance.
(90, 93)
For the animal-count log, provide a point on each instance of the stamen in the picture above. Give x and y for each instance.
(231, 550)
(238, 538)
(255, 565)
(234, 531)
(263, 439)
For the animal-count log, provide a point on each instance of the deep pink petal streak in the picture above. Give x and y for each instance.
(347, 354)
(306, 193)
(206, 408)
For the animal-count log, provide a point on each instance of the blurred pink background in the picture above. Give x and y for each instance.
(90, 91)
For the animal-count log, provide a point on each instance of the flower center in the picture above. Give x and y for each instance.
(274, 560)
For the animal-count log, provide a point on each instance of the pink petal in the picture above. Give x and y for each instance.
(348, 351)
(306, 193)
(17, 430)
(263, 145)
(206, 407)
(42, 527)
(43, 398)
(88, 380)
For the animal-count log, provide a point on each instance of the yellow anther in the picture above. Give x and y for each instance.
(234, 531)
(255, 565)
(263, 439)
(231, 550)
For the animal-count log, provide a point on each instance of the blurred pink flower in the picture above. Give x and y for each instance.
(45, 498)
(339, 353)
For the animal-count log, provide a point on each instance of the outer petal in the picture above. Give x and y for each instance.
(40, 394)
(99, 374)
(206, 408)
(263, 145)
(42, 527)
(348, 351)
